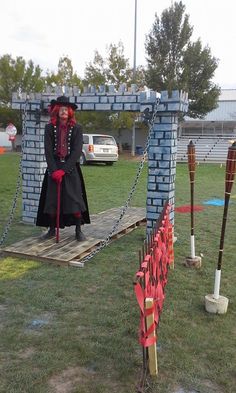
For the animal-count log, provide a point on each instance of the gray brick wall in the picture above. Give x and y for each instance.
(162, 156)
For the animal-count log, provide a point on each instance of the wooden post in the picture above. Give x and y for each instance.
(152, 349)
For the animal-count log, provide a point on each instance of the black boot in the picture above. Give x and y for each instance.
(80, 237)
(51, 231)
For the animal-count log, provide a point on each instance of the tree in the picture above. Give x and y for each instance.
(65, 75)
(8, 115)
(95, 73)
(176, 63)
(17, 75)
(113, 69)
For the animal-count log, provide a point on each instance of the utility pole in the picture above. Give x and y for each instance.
(134, 71)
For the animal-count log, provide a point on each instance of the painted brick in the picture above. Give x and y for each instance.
(158, 202)
(152, 186)
(124, 99)
(28, 220)
(104, 100)
(33, 183)
(87, 99)
(166, 142)
(28, 189)
(154, 149)
(33, 196)
(151, 179)
(158, 157)
(152, 209)
(164, 187)
(155, 139)
(152, 164)
(162, 127)
(88, 107)
(117, 107)
(152, 216)
(164, 164)
(103, 107)
(132, 107)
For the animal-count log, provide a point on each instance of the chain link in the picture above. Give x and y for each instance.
(107, 240)
(18, 182)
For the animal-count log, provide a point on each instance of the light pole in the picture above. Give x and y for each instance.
(134, 72)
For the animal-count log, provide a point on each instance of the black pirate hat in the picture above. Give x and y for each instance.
(63, 100)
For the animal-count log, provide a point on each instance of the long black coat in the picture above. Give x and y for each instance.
(73, 194)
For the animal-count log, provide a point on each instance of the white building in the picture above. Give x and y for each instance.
(221, 122)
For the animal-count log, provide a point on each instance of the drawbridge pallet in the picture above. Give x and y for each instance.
(68, 251)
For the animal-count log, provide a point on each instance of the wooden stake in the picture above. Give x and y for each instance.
(152, 350)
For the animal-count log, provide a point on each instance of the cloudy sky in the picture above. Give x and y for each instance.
(45, 30)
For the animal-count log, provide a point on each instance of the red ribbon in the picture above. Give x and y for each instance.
(152, 278)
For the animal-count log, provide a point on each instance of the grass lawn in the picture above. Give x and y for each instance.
(68, 330)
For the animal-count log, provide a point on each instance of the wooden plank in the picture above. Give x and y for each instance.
(68, 249)
(76, 264)
(152, 349)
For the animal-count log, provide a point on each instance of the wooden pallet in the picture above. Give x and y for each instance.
(68, 251)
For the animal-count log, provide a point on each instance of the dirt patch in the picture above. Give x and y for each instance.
(207, 385)
(66, 381)
(181, 390)
(26, 353)
(211, 387)
(70, 380)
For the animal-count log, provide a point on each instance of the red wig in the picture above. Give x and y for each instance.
(54, 115)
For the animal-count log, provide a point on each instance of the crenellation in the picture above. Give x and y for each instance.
(122, 88)
(101, 89)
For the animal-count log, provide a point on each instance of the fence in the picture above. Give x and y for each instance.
(155, 258)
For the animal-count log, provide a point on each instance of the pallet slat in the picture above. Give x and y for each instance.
(68, 251)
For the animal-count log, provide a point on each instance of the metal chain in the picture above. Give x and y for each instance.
(18, 183)
(107, 240)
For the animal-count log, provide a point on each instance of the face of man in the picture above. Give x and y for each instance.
(63, 113)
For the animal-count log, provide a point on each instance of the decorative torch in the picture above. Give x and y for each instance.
(193, 260)
(215, 303)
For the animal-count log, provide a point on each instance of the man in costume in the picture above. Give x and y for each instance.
(63, 141)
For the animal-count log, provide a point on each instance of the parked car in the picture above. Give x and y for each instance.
(99, 148)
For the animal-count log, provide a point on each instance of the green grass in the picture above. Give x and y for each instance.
(76, 329)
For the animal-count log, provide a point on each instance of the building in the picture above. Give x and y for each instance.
(221, 122)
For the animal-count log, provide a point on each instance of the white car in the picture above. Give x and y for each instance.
(99, 148)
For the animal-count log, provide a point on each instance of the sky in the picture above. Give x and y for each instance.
(46, 30)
